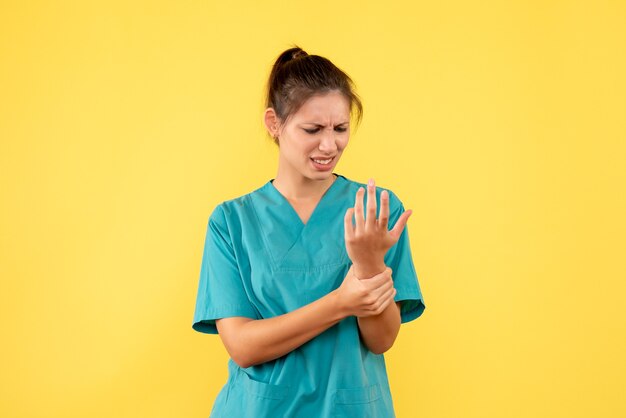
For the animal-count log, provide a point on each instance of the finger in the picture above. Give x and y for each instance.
(383, 216)
(347, 224)
(383, 289)
(378, 280)
(386, 301)
(358, 210)
(382, 303)
(399, 226)
(377, 287)
(370, 220)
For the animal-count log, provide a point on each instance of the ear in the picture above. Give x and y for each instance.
(272, 122)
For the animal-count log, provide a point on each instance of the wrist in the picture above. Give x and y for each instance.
(338, 307)
(365, 271)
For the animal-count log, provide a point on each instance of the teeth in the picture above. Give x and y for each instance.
(323, 161)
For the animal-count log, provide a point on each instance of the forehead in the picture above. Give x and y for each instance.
(328, 107)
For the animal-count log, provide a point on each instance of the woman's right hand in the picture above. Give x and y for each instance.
(366, 297)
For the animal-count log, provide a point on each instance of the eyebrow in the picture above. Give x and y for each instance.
(317, 124)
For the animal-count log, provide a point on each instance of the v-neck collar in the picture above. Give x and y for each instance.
(294, 214)
(290, 243)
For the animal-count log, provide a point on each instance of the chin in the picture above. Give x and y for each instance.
(322, 175)
(317, 176)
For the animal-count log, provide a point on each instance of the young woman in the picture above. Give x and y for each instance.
(307, 278)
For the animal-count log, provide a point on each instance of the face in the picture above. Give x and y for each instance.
(313, 139)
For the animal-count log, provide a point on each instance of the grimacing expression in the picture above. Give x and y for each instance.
(313, 139)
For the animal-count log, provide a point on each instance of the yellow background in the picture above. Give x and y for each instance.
(501, 124)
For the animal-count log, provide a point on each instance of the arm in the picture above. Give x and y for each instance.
(251, 342)
(367, 242)
(255, 341)
(379, 332)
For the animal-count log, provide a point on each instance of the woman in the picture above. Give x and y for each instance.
(306, 283)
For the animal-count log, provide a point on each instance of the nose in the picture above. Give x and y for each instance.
(328, 142)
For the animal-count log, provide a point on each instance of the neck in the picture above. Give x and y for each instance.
(295, 186)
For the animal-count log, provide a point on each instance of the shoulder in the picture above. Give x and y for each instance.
(231, 209)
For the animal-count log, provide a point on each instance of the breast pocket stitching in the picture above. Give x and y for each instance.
(262, 389)
(358, 395)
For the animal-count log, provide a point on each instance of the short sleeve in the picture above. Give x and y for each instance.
(399, 259)
(221, 292)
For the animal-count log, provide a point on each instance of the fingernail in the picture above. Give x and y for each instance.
(370, 182)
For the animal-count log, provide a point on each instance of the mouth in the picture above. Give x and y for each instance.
(323, 161)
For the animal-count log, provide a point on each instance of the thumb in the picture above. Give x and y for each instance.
(400, 224)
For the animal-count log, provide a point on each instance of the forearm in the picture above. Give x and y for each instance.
(378, 332)
(267, 339)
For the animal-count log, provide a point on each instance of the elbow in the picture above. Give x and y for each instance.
(381, 348)
(382, 345)
(242, 362)
(246, 357)
(235, 340)
(243, 358)
(377, 351)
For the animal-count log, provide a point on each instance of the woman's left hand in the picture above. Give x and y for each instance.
(369, 239)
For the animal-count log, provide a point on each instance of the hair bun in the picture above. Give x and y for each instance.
(298, 54)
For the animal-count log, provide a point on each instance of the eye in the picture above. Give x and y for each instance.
(316, 130)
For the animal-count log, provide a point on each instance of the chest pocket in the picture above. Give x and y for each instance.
(252, 398)
(366, 402)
